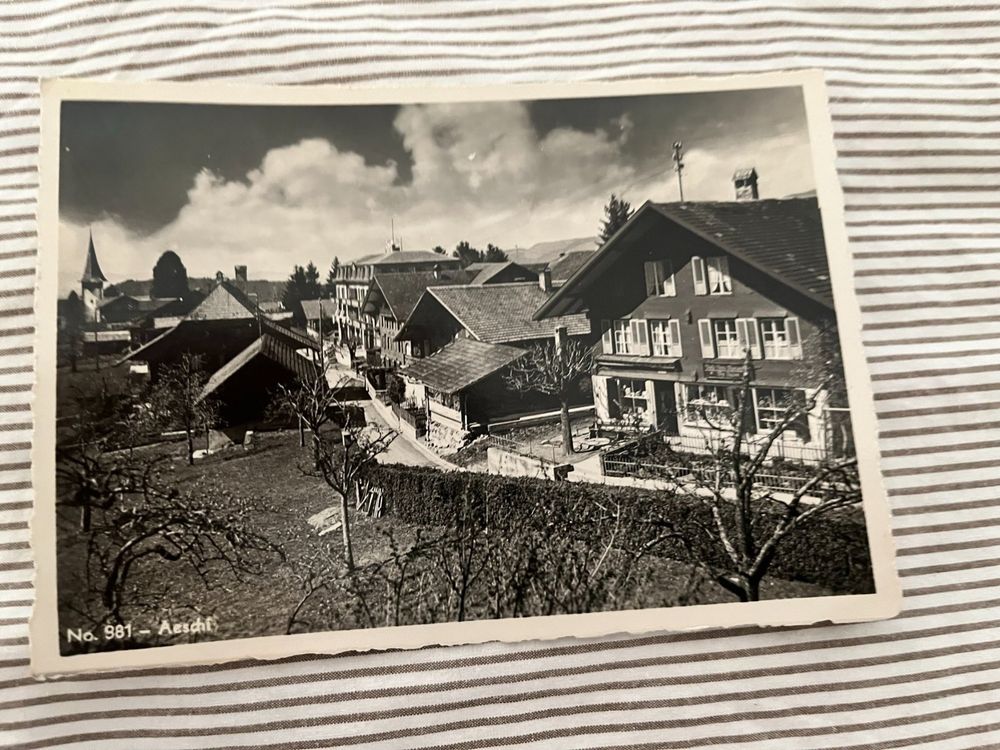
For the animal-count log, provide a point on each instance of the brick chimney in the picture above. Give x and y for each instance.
(240, 274)
(561, 337)
(745, 181)
(545, 280)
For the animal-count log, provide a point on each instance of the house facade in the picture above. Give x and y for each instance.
(351, 283)
(471, 334)
(699, 288)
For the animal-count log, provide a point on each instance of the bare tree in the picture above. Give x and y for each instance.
(750, 519)
(554, 368)
(179, 399)
(341, 457)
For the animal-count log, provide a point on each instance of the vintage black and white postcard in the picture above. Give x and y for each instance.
(323, 369)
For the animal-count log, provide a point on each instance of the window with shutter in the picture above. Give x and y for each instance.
(719, 281)
(705, 334)
(698, 269)
(668, 287)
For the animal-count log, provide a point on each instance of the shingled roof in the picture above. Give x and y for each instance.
(783, 238)
(502, 313)
(566, 265)
(462, 363)
(270, 347)
(311, 308)
(401, 291)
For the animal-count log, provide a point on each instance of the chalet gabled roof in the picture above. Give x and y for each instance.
(500, 313)
(566, 265)
(783, 238)
(92, 269)
(461, 364)
(311, 308)
(270, 347)
(224, 302)
(401, 291)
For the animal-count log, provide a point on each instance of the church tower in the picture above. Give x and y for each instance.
(92, 281)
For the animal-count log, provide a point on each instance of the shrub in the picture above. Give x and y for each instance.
(830, 551)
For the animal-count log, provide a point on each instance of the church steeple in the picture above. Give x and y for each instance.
(92, 273)
(92, 281)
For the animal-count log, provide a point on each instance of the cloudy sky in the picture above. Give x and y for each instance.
(274, 186)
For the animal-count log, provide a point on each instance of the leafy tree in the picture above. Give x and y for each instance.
(467, 254)
(494, 254)
(439, 250)
(556, 370)
(111, 291)
(169, 276)
(177, 399)
(616, 213)
(331, 276)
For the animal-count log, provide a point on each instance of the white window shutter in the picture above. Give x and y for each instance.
(607, 337)
(794, 337)
(753, 339)
(741, 334)
(705, 333)
(698, 269)
(640, 336)
(650, 268)
(675, 338)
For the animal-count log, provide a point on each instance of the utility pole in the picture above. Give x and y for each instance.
(679, 167)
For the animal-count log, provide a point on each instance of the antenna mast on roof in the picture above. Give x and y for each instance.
(679, 167)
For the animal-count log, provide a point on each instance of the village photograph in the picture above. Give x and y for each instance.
(330, 368)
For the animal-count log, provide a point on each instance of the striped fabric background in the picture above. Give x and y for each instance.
(916, 107)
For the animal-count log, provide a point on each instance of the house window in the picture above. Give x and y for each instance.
(718, 276)
(707, 404)
(622, 336)
(660, 279)
(727, 340)
(627, 399)
(780, 338)
(666, 338)
(774, 335)
(776, 405)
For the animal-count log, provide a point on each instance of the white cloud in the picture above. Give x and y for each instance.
(480, 173)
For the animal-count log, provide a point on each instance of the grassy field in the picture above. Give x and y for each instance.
(283, 498)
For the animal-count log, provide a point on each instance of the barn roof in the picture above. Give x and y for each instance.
(267, 346)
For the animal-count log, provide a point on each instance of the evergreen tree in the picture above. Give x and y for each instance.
(294, 294)
(616, 213)
(312, 289)
(331, 276)
(169, 276)
(467, 254)
(494, 254)
(439, 250)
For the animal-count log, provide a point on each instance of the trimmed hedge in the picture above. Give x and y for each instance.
(830, 551)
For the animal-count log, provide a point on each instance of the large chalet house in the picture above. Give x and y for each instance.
(679, 296)
(470, 335)
(351, 283)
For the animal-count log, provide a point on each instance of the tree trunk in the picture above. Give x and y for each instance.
(85, 518)
(315, 451)
(567, 430)
(345, 526)
(190, 447)
(302, 434)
